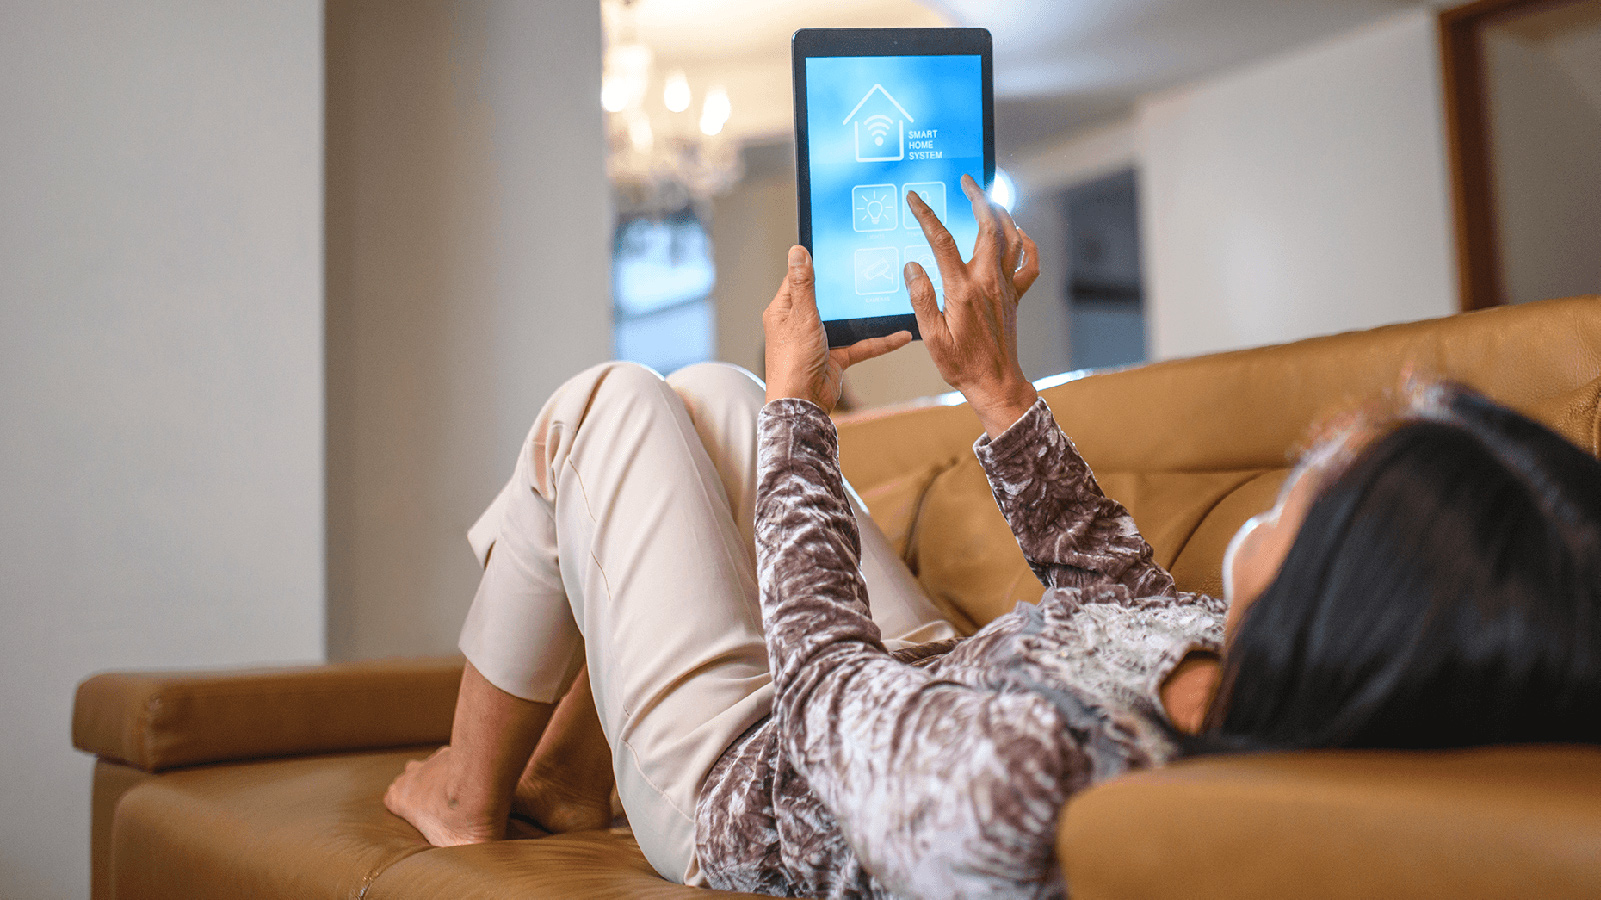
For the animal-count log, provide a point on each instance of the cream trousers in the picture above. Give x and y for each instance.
(626, 537)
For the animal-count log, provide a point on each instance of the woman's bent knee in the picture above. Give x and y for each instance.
(617, 382)
(717, 380)
(620, 375)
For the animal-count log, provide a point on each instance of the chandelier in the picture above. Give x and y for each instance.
(665, 151)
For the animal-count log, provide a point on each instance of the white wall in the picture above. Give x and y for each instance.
(160, 370)
(468, 275)
(1302, 196)
(1076, 158)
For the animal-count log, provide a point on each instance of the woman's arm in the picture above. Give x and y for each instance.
(939, 788)
(1072, 534)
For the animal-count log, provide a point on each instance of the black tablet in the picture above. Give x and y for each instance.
(879, 112)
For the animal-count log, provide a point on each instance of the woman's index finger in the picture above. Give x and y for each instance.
(991, 234)
(946, 254)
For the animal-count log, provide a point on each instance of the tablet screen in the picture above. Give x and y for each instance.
(877, 127)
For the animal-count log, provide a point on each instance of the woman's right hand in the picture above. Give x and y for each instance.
(973, 341)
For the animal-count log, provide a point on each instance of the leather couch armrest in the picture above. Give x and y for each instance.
(163, 720)
(1490, 823)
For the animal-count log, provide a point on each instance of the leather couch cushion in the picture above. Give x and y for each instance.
(1490, 823)
(969, 563)
(1575, 414)
(310, 826)
(592, 865)
(1198, 566)
(895, 502)
(316, 826)
(964, 554)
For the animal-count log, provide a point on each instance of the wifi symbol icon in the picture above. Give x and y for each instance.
(878, 128)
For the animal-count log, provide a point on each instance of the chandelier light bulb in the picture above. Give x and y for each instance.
(626, 77)
(675, 95)
(612, 96)
(716, 110)
(639, 132)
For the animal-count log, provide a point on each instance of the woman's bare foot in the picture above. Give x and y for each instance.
(429, 796)
(567, 784)
(559, 806)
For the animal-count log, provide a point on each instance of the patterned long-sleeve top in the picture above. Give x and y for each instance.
(940, 771)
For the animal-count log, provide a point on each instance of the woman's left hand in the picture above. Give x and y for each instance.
(799, 361)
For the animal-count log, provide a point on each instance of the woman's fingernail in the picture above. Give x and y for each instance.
(797, 255)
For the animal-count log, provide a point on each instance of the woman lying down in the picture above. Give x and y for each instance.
(784, 711)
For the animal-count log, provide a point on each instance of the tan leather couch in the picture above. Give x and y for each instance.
(268, 784)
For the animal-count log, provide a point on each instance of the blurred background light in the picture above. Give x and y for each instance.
(675, 94)
(714, 114)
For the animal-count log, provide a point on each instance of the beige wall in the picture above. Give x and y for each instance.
(468, 275)
(1545, 141)
(161, 411)
(753, 226)
(1075, 159)
(1301, 196)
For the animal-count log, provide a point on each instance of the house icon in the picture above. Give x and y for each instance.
(880, 124)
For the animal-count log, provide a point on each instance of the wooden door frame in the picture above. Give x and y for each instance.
(1467, 141)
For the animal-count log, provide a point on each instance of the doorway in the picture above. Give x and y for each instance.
(1523, 92)
(1105, 295)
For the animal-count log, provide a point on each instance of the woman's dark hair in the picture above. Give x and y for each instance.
(1443, 591)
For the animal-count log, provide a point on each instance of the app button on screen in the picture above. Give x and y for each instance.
(932, 192)
(873, 207)
(923, 256)
(877, 270)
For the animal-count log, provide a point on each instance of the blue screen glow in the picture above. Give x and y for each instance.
(877, 127)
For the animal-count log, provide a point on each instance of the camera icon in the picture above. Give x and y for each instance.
(877, 270)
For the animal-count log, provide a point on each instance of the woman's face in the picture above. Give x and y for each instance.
(1258, 550)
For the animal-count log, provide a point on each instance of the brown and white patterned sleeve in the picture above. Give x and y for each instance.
(939, 788)
(1072, 534)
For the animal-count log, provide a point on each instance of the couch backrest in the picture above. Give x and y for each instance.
(1194, 447)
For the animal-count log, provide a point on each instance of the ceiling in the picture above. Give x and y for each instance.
(1060, 65)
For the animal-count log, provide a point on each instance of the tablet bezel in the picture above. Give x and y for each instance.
(811, 43)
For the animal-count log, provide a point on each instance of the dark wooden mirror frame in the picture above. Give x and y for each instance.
(1467, 136)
